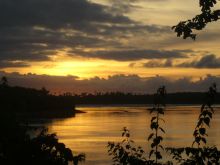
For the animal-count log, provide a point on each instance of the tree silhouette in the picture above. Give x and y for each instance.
(126, 153)
(4, 81)
(158, 110)
(17, 146)
(185, 28)
(200, 155)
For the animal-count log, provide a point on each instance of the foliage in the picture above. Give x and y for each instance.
(156, 139)
(4, 81)
(126, 153)
(195, 156)
(28, 102)
(200, 155)
(205, 116)
(18, 147)
(185, 28)
(46, 148)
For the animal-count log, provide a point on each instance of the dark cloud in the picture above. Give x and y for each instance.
(55, 13)
(33, 30)
(38, 45)
(158, 64)
(132, 55)
(208, 61)
(81, 15)
(123, 83)
(9, 64)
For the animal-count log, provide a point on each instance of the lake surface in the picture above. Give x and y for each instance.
(90, 132)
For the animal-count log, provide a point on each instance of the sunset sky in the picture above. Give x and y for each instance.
(105, 45)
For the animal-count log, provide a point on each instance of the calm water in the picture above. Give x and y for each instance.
(90, 132)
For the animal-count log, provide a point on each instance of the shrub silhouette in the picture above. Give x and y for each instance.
(158, 109)
(4, 81)
(126, 153)
(34, 103)
(18, 147)
(201, 155)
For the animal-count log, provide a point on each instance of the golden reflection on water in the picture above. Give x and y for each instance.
(90, 132)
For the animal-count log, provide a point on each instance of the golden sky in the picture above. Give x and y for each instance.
(105, 37)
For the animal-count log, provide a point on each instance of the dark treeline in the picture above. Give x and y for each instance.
(30, 102)
(23, 144)
(129, 98)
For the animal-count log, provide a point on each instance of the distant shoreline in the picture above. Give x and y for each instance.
(136, 105)
(185, 98)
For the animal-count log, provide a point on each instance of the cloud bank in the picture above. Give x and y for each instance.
(34, 30)
(122, 83)
(208, 61)
(135, 54)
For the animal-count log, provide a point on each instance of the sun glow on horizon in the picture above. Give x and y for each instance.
(89, 68)
(83, 48)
